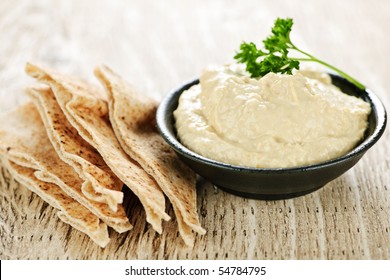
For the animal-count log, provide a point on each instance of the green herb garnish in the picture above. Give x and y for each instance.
(275, 58)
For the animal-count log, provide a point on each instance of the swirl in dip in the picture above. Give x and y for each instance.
(275, 121)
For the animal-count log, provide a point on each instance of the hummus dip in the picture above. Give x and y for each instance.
(276, 121)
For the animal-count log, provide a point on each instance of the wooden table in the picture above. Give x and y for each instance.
(158, 45)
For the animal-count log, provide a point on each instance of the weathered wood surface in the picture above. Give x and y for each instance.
(160, 44)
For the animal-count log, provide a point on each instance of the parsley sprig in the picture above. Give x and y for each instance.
(275, 56)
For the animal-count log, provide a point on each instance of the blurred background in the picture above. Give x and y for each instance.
(159, 44)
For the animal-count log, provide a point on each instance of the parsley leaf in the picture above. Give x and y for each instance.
(275, 56)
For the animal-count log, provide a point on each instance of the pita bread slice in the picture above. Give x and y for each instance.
(87, 111)
(132, 116)
(24, 141)
(100, 182)
(70, 211)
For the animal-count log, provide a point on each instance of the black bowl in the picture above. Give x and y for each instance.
(277, 183)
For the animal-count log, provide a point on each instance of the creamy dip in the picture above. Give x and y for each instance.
(273, 122)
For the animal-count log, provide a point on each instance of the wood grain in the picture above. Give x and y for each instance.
(160, 44)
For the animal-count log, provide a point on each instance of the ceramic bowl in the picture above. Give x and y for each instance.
(275, 183)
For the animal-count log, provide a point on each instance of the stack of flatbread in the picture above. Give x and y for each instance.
(76, 145)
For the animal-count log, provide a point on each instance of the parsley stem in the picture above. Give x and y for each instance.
(275, 57)
(342, 73)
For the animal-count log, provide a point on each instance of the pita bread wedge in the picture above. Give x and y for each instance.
(100, 183)
(70, 211)
(132, 116)
(87, 111)
(24, 141)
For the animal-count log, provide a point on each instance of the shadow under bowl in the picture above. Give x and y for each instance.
(272, 183)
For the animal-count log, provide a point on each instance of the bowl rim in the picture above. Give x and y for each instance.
(377, 108)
